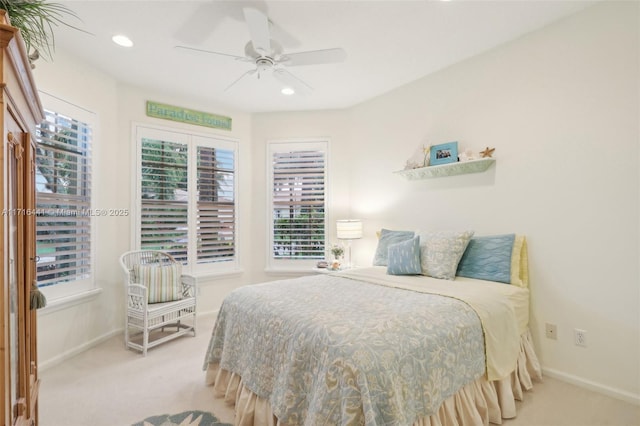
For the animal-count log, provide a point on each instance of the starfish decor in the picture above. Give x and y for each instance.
(487, 152)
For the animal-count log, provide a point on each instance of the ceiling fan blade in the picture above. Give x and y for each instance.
(258, 24)
(312, 57)
(292, 81)
(238, 58)
(250, 72)
(204, 19)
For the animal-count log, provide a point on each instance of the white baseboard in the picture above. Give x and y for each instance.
(45, 365)
(593, 386)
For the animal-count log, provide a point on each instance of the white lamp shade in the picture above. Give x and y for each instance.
(350, 229)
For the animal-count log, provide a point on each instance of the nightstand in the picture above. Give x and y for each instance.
(327, 271)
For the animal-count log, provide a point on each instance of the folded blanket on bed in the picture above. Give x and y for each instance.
(327, 349)
(502, 308)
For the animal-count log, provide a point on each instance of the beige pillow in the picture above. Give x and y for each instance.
(163, 282)
(440, 253)
(520, 262)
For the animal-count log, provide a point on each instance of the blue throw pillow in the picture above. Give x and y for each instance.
(488, 258)
(404, 258)
(388, 237)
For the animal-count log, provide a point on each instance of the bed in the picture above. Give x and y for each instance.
(379, 346)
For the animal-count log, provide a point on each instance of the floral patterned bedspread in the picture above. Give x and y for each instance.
(330, 350)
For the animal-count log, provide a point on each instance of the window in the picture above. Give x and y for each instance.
(187, 198)
(63, 200)
(298, 222)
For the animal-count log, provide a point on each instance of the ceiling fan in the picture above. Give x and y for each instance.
(268, 56)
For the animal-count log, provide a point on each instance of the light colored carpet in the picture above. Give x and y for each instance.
(111, 386)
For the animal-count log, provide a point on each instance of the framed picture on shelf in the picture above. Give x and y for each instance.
(444, 153)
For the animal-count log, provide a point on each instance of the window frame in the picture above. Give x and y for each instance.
(192, 140)
(289, 145)
(79, 288)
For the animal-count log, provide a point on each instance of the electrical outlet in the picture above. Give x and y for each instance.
(580, 337)
(551, 331)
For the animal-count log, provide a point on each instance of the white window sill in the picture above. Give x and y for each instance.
(69, 301)
(209, 278)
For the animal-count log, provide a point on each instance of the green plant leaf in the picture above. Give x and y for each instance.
(36, 19)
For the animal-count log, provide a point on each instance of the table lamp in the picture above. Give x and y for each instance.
(349, 229)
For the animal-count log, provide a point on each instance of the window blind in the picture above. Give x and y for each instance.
(63, 200)
(188, 199)
(299, 204)
(164, 197)
(216, 205)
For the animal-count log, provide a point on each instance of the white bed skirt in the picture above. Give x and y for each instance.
(478, 403)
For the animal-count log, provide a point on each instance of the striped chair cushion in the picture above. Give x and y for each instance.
(162, 281)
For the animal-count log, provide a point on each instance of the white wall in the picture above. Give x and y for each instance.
(64, 332)
(561, 108)
(332, 125)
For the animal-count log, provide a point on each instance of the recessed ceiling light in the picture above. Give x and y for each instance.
(288, 91)
(122, 40)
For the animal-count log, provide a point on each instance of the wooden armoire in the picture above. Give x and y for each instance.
(21, 111)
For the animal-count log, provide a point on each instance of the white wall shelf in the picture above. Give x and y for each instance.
(451, 169)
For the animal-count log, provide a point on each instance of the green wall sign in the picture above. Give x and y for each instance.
(184, 115)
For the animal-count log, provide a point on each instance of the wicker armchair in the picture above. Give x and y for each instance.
(151, 324)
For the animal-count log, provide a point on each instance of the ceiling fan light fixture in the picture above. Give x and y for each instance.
(122, 40)
(264, 64)
(267, 56)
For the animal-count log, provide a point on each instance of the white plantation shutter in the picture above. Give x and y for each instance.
(216, 205)
(164, 197)
(298, 180)
(63, 200)
(187, 198)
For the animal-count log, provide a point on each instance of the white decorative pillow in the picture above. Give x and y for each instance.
(162, 281)
(440, 253)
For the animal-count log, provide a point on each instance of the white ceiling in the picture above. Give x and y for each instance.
(388, 44)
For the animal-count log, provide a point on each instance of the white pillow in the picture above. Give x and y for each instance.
(440, 253)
